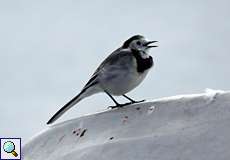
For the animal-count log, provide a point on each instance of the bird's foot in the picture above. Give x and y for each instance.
(133, 102)
(125, 104)
(119, 105)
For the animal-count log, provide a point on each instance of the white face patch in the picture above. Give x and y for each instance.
(144, 55)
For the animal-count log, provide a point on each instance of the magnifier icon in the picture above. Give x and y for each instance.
(9, 147)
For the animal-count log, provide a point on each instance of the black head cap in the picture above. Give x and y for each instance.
(127, 42)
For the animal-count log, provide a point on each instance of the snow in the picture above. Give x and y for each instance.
(191, 127)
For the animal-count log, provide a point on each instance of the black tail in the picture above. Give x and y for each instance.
(66, 107)
(84, 93)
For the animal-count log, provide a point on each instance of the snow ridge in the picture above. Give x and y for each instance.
(181, 127)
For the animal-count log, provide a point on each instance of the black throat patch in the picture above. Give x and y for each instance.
(142, 64)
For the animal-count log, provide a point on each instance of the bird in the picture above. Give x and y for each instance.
(122, 71)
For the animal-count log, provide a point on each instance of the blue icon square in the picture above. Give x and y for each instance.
(10, 148)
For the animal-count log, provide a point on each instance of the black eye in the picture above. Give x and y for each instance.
(138, 43)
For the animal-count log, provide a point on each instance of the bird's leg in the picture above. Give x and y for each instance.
(132, 101)
(118, 105)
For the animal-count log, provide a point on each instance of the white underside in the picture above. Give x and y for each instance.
(124, 82)
(118, 81)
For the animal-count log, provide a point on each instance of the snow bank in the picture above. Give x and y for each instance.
(191, 127)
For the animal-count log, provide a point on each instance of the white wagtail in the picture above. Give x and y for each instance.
(119, 73)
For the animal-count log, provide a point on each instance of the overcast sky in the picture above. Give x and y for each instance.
(49, 49)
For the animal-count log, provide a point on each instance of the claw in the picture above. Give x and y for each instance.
(125, 104)
(119, 105)
(138, 101)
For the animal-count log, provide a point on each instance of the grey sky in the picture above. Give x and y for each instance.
(49, 49)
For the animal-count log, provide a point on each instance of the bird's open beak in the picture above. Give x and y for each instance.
(150, 42)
